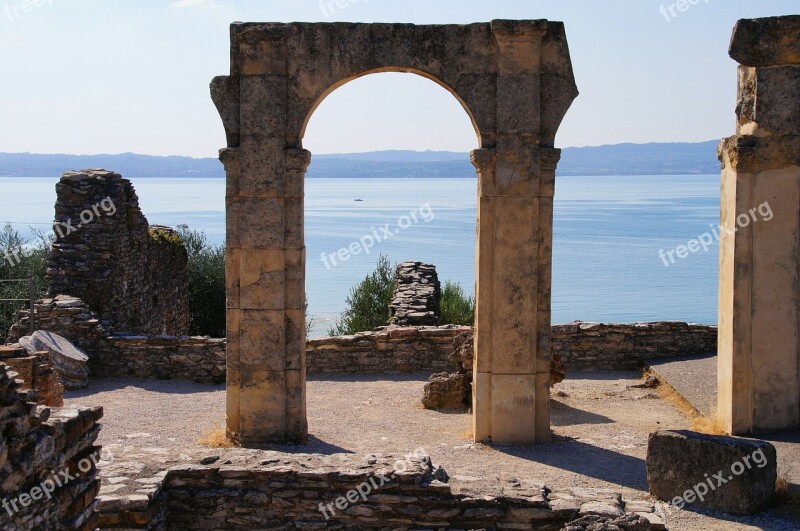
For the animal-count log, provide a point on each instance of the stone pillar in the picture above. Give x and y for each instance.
(515, 197)
(759, 299)
(265, 260)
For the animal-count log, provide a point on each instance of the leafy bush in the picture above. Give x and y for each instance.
(206, 283)
(455, 306)
(368, 302)
(20, 260)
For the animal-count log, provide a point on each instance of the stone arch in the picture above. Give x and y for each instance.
(515, 80)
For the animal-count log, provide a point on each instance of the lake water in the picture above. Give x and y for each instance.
(607, 235)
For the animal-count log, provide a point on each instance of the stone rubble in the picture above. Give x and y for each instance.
(70, 362)
(417, 295)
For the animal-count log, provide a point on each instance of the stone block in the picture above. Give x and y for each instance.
(514, 408)
(767, 41)
(69, 361)
(446, 391)
(728, 474)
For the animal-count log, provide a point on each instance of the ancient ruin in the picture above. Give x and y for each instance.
(131, 274)
(514, 79)
(759, 306)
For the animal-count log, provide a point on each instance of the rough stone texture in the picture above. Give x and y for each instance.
(200, 359)
(70, 363)
(444, 391)
(133, 275)
(393, 350)
(627, 346)
(629, 522)
(35, 441)
(250, 489)
(677, 461)
(416, 295)
(36, 373)
(759, 305)
(69, 317)
(514, 79)
(447, 391)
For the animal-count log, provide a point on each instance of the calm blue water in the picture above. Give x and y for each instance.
(608, 232)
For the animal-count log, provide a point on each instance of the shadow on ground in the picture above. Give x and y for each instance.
(585, 459)
(564, 415)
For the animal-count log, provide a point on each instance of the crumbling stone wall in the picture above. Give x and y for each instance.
(133, 275)
(287, 494)
(35, 442)
(622, 347)
(394, 350)
(36, 373)
(417, 295)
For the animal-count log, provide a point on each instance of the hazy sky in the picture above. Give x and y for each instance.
(110, 76)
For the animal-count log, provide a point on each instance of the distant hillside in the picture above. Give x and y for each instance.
(642, 159)
(126, 164)
(621, 159)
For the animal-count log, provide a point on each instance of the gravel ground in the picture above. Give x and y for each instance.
(600, 424)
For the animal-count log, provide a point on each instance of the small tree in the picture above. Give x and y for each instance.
(206, 283)
(368, 302)
(455, 306)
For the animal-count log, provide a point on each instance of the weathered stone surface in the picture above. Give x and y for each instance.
(35, 444)
(729, 474)
(254, 489)
(133, 275)
(515, 80)
(764, 42)
(630, 522)
(70, 362)
(446, 391)
(36, 373)
(416, 295)
(759, 306)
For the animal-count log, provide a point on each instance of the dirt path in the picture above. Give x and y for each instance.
(601, 426)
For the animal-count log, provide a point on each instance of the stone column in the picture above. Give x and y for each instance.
(265, 259)
(512, 367)
(759, 299)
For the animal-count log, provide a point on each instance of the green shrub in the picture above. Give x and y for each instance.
(19, 260)
(455, 306)
(368, 302)
(206, 283)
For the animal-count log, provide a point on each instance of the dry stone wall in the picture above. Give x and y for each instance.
(287, 493)
(36, 373)
(614, 347)
(417, 295)
(34, 442)
(394, 350)
(132, 275)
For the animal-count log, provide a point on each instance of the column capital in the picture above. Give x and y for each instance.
(297, 160)
(550, 158)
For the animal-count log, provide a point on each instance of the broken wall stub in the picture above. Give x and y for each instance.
(759, 300)
(132, 274)
(514, 79)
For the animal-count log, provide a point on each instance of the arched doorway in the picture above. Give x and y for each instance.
(515, 80)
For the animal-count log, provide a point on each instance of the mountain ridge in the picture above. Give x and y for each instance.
(698, 158)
